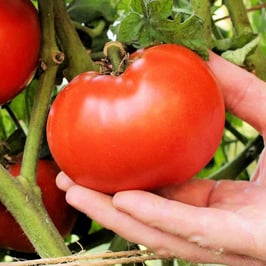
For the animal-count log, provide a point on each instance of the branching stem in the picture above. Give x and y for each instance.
(77, 58)
(21, 195)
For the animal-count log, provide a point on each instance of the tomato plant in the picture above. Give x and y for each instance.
(158, 123)
(19, 46)
(64, 216)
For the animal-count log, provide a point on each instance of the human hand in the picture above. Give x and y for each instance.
(202, 220)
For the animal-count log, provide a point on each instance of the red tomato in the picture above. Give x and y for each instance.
(158, 123)
(19, 46)
(64, 216)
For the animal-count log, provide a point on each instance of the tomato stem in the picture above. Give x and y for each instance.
(23, 200)
(202, 8)
(116, 53)
(92, 33)
(242, 26)
(21, 195)
(239, 17)
(43, 95)
(77, 57)
(233, 169)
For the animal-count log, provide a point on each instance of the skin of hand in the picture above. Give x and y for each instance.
(202, 221)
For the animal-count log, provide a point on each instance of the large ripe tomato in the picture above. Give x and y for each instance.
(64, 216)
(19, 46)
(158, 123)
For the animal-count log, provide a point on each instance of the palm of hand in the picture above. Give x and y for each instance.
(221, 222)
(231, 218)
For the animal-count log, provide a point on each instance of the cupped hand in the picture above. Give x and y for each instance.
(202, 220)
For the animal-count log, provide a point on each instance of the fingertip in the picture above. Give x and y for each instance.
(131, 200)
(63, 182)
(84, 198)
(73, 195)
(117, 198)
(194, 192)
(124, 196)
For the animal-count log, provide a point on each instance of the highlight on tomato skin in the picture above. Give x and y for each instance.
(158, 123)
(62, 214)
(20, 39)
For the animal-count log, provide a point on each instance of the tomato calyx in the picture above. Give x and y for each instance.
(116, 59)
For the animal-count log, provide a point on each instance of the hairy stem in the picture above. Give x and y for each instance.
(202, 8)
(23, 200)
(77, 57)
(43, 95)
(239, 17)
(115, 53)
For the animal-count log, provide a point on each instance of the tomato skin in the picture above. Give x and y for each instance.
(158, 123)
(19, 46)
(64, 216)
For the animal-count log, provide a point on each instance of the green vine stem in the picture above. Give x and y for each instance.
(202, 8)
(241, 23)
(92, 33)
(239, 164)
(23, 200)
(49, 57)
(21, 195)
(77, 57)
(115, 52)
(238, 15)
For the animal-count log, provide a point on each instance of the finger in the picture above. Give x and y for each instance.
(207, 227)
(259, 176)
(99, 207)
(244, 93)
(194, 192)
(63, 182)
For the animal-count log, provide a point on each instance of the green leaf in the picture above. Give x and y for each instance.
(238, 56)
(137, 6)
(235, 42)
(149, 22)
(6, 125)
(160, 9)
(135, 23)
(188, 33)
(22, 104)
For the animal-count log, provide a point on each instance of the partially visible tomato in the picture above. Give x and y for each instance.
(19, 46)
(158, 123)
(64, 216)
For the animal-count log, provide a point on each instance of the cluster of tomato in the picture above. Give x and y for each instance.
(158, 123)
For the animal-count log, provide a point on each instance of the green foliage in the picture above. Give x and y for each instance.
(258, 20)
(95, 16)
(143, 23)
(17, 112)
(238, 56)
